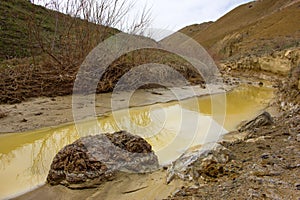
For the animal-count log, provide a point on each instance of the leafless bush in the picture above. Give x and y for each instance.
(86, 24)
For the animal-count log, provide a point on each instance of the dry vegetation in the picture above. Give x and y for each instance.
(84, 25)
(47, 52)
(145, 56)
(59, 43)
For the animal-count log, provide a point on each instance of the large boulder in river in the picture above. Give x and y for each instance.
(92, 160)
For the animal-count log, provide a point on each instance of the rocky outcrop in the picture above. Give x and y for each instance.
(289, 92)
(3, 113)
(92, 160)
(263, 119)
(279, 62)
(229, 45)
(207, 160)
(294, 79)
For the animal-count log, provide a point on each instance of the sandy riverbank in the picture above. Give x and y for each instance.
(125, 187)
(45, 112)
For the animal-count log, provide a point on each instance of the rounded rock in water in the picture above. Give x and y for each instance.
(92, 160)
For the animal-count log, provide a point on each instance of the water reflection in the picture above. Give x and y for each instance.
(170, 128)
(25, 159)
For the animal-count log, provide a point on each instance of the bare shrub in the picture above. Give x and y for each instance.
(86, 24)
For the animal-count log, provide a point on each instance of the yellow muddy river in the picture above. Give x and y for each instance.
(170, 128)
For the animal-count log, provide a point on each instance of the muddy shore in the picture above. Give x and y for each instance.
(46, 112)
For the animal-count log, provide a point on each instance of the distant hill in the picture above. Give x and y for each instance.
(254, 28)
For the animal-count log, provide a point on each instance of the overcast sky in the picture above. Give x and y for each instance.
(176, 14)
(173, 15)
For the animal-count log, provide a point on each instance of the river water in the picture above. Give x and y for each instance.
(170, 128)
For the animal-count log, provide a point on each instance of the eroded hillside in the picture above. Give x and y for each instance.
(257, 27)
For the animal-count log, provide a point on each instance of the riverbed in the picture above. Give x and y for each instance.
(170, 127)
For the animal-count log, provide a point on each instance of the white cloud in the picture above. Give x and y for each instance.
(176, 14)
(173, 15)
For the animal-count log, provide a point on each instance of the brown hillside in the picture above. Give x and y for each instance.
(194, 29)
(255, 27)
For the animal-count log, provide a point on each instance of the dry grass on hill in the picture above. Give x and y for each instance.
(254, 28)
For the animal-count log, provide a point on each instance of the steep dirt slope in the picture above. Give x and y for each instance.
(194, 29)
(255, 27)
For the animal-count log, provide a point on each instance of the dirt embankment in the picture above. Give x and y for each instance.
(280, 63)
(266, 162)
(265, 166)
(23, 81)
